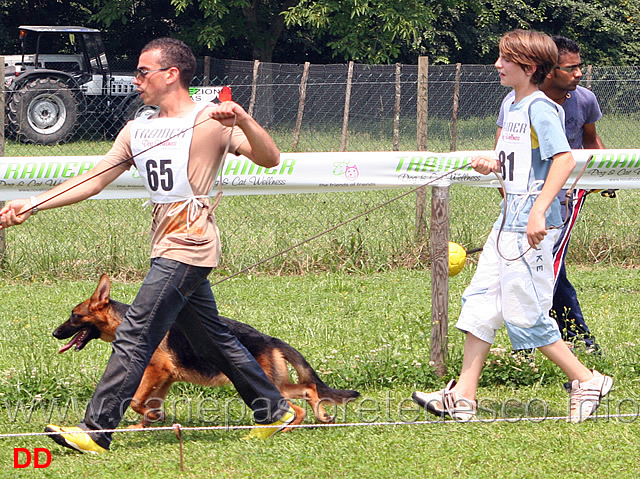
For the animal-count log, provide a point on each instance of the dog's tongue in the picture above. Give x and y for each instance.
(66, 347)
(77, 339)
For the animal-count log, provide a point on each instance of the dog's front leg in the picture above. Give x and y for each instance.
(148, 401)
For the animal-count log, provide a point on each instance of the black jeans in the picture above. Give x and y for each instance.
(174, 292)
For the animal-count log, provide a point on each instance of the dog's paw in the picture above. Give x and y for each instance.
(328, 419)
(140, 425)
(153, 416)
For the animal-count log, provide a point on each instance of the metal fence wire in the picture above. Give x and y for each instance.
(348, 107)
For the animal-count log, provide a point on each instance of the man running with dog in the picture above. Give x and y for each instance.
(177, 151)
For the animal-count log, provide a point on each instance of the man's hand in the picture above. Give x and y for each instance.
(10, 214)
(485, 165)
(228, 113)
(260, 147)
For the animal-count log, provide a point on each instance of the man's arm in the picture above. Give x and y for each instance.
(590, 138)
(259, 147)
(73, 190)
(591, 141)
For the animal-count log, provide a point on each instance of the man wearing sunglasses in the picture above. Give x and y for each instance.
(581, 113)
(177, 151)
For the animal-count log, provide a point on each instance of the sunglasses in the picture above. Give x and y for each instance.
(139, 73)
(572, 68)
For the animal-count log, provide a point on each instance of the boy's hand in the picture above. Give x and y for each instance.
(536, 228)
(485, 165)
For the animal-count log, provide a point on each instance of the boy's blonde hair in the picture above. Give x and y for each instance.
(530, 48)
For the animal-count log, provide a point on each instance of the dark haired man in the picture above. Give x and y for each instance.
(581, 113)
(177, 152)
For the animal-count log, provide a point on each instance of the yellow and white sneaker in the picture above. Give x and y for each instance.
(76, 438)
(274, 427)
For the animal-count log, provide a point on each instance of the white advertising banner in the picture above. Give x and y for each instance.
(321, 172)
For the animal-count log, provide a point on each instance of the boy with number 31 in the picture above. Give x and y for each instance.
(513, 284)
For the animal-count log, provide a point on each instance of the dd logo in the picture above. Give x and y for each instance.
(21, 451)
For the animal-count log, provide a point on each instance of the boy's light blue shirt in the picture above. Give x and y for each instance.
(547, 140)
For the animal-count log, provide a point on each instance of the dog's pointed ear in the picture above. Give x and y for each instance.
(102, 292)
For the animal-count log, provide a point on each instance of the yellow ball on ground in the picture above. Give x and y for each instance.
(457, 258)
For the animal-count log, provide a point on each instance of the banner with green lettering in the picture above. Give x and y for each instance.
(324, 171)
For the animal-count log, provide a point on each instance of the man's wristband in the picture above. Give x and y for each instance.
(34, 205)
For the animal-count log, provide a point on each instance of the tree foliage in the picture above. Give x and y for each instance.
(366, 31)
(243, 28)
(605, 29)
(14, 13)
(324, 31)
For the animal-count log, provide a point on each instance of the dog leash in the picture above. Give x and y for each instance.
(193, 203)
(335, 227)
(413, 190)
(569, 199)
(126, 160)
(216, 202)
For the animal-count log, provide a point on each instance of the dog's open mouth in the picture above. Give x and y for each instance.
(79, 341)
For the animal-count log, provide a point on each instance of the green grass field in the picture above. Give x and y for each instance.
(357, 305)
(367, 332)
(84, 240)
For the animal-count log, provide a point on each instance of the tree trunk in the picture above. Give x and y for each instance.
(265, 28)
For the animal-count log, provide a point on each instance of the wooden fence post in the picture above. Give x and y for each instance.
(207, 71)
(254, 87)
(439, 277)
(302, 91)
(396, 109)
(456, 105)
(347, 106)
(439, 238)
(422, 119)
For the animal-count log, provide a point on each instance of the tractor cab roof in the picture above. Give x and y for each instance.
(58, 29)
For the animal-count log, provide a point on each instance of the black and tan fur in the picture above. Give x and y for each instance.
(175, 360)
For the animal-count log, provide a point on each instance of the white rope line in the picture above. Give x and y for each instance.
(320, 425)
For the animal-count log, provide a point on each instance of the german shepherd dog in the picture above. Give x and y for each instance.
(175, 360)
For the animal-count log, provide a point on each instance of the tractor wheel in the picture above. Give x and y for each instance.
(136, 108)
(43, 111)
(131, 110)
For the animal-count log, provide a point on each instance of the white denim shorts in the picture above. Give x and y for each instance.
(515, 292)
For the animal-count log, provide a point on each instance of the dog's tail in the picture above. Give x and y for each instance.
(306, 374)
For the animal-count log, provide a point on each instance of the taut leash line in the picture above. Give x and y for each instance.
(216, 202)
(335, 227)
